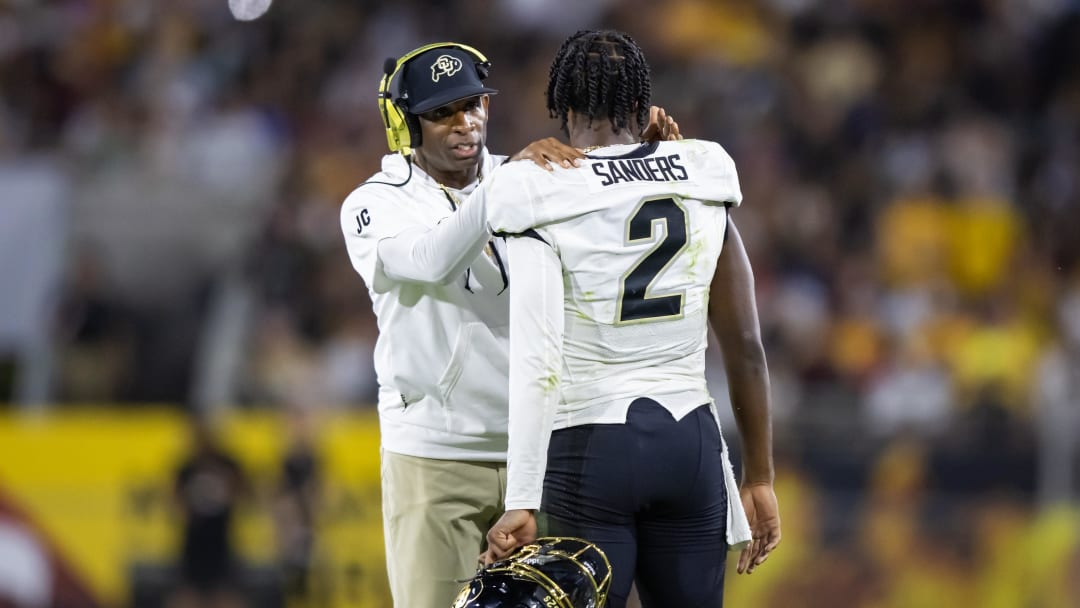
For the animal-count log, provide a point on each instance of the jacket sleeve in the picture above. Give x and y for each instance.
(387, 247)
(368, 215)
(439, 253)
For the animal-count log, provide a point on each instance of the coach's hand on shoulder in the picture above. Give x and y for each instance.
(550, 151)
(515, 528)
(661, 126)
(759, 500)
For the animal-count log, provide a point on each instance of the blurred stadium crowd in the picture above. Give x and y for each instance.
(170, 181)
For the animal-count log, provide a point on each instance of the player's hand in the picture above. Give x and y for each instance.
(550, 151)
(759, 500)
(515, 528)
(661, 126)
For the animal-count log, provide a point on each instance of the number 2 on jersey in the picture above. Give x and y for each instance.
(636, 301)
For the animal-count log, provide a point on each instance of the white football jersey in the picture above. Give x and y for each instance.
(609, 298)
(637, 229)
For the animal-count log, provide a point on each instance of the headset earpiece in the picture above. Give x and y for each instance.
(402, 128)
(392, 117)
(412, 124)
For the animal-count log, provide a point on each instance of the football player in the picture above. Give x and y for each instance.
(618, 267)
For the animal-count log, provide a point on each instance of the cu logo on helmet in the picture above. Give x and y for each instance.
(445, 64)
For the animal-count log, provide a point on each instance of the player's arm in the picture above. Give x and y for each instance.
(388, 247)
(536, 337)
(733, 315)
(435, 254)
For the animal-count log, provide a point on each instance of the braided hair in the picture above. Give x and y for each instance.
(600, 74)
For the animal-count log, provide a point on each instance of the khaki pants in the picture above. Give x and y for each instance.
(436, 514)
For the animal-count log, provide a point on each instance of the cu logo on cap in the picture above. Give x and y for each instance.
(445, 64)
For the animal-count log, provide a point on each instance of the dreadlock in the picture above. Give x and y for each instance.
(600, 74)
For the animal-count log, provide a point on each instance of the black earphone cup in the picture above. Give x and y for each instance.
(413, 123)
(483, 68)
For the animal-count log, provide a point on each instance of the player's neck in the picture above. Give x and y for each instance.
(450, 178)
(598, 134)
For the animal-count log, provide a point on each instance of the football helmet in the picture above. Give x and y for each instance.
(553, 572)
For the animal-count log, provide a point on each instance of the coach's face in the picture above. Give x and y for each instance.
(453, 136)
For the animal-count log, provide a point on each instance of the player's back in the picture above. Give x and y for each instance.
(638, 231)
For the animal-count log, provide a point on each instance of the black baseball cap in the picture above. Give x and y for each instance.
(440, 76)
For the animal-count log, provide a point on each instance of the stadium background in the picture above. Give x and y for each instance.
(170, 181)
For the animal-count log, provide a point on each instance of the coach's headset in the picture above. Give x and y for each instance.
(403, 128)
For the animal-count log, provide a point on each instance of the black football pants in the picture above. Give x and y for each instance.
(650, 493)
